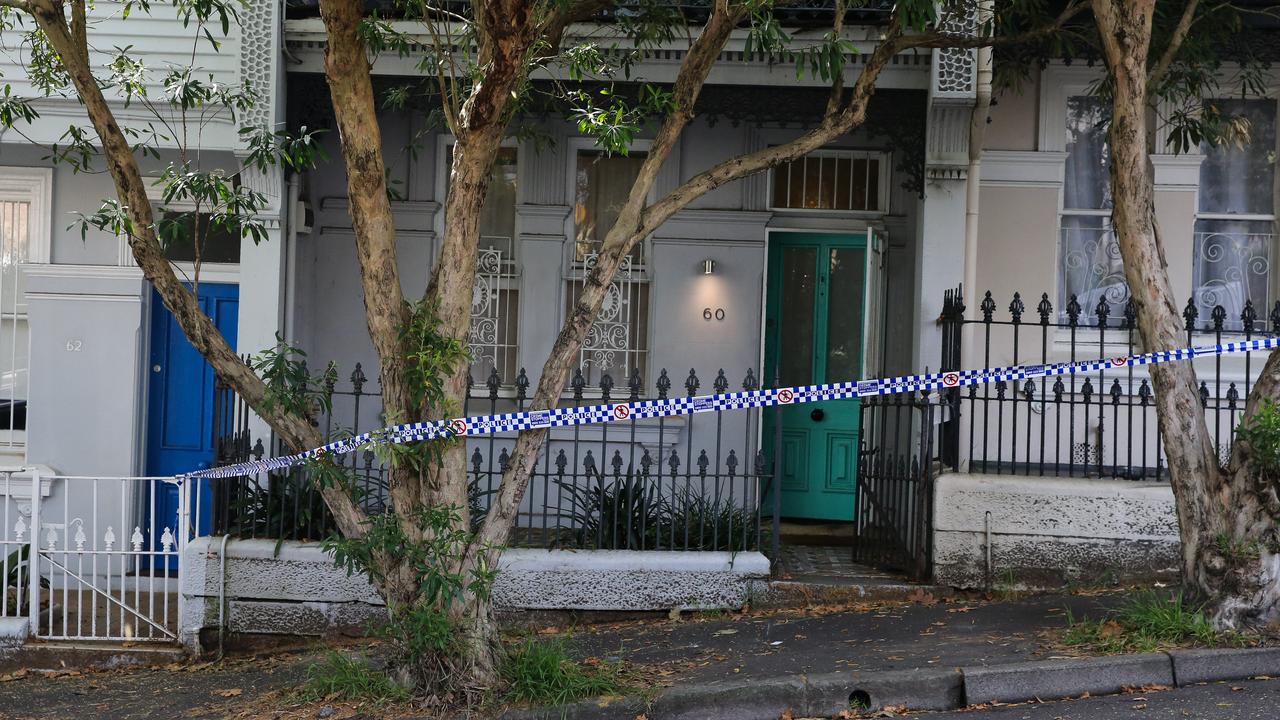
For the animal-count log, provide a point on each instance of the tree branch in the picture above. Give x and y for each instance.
(1175, 43)
(351, 89)
(79, 32)
(150, 258)
(693, 73)
(832, 126)
(560, 20)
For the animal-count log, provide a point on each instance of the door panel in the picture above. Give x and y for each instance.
(795, 460)
(815, 334)
(841, 461)
(180, 404)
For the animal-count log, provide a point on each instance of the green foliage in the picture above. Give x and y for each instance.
(630, 513)
(286, 506)
(18, 577)
(430, 542)
(713, 524)
(627, 513)
(1147, 621)
(438, 542)
(541, 672)
(1261, 433)
(290, 385)
(295, 151)
(342, 677)
(430, 356)
(1237, 552)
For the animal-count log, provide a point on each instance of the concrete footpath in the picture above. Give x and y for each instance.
(921, 656)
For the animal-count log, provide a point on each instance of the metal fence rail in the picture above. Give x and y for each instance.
(691, 483)
(893, 515)
(92, 558)
(1098, 425)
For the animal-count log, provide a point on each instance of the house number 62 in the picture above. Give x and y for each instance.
(74, 345)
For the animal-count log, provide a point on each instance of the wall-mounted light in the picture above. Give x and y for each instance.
(708, 266)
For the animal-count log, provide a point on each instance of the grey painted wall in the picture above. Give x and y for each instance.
(76, 193)
(728, 226)
(724, 225)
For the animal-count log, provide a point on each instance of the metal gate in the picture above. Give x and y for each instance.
(91, 558)
(893, 514)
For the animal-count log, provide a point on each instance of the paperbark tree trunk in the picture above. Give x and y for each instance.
(1226, 520)
(506, 32)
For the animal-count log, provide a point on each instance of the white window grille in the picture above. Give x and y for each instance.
(617, 343)
(1236, 218)
(1090, 268)
(495, 311)
(24, 238)
(831, 180)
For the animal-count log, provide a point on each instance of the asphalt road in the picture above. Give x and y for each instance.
(1244, 700)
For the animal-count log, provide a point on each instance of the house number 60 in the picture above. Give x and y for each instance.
(708, 313)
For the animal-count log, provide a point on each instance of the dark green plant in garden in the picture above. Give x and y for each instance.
(626, 513)
(631, 513)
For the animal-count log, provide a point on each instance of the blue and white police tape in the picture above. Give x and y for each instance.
(667, 407)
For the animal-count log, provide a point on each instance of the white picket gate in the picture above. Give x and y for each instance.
(93, 558)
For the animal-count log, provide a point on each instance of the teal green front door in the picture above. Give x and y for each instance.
(814, 335)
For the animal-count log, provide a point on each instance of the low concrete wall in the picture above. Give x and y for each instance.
(1046, 532)
(298, 591)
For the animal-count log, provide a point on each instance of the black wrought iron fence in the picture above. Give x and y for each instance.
(682, 483)
(893, 514)
(1101, 424)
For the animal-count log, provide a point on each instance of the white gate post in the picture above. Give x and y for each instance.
(33, 554)
(184, 532)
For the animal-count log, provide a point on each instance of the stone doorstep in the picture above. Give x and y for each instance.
(53, 656)
(926, 689)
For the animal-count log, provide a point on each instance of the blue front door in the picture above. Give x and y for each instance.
(180, 405)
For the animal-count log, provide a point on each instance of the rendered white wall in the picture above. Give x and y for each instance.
(1048, 531)
(298, 590)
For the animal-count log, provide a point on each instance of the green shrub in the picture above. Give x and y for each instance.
(624, 514)
(713, 524)
(541, 672)
(1262, 434)
(629, 513)
(342, 677)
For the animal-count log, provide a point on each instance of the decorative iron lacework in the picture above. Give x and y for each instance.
(1232, 268)
(495, 312)
(257, 45)
(617, 343)
(954, 69)
(1092, 271)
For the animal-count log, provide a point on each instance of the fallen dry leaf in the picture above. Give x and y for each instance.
(553, 630)
(922, 597)
(229, 692)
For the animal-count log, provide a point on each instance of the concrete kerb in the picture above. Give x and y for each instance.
(1054, 679)
(925, 689)
(1199, 666)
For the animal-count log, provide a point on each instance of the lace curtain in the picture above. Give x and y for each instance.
(1235, 223)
